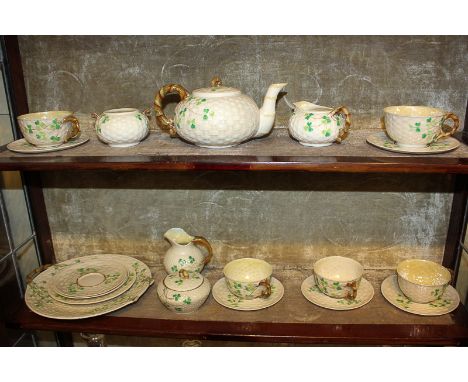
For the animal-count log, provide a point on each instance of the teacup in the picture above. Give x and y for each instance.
(422, 281)
(418, 126)
(248, 278)
(338, 277)
(49, 128)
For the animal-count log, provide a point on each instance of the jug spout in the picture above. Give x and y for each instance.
(178, 236)
(267, 111)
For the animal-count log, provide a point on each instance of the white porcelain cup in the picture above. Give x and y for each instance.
(248, 278)
(338, 277)
(49, 128)
(418, 126)
(422, 281)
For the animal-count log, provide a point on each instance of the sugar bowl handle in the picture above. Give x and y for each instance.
(201, 241)
(344, 131)
(162, 119)
(447, 130)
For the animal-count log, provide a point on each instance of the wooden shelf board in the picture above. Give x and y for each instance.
(293, 319)
(277, 152)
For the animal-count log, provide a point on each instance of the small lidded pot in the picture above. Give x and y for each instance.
(338, 276)
(122, 127)
(183, 292)
(422, 281)
(248, 278)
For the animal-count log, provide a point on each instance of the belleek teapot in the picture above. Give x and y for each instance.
(317, 126)
(217, 116)
(184, 254)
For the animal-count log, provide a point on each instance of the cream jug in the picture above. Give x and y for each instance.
(184, 253)
(318, 126)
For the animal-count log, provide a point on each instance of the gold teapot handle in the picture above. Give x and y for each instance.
(75, 131)
(200, 240)
(164, 122)
(447, 130)
(344, 131)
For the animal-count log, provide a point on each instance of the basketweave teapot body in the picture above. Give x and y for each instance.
(218, 116)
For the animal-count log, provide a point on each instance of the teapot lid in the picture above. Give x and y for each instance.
(216, 92)
(183, 280)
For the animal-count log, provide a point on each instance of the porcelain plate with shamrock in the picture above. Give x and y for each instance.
(443, 145)
(24, 147)
(443, 305)
(223, 296)
(315, 296)
(38, 299)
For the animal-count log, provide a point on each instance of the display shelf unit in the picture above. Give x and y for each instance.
(292, 320)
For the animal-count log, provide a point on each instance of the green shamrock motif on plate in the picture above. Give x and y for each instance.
(440, 303)
(111, 277)
(192, 124)
(404, 301)
(176, 296)
(326, 120)
(234, 300)
(348, 302)
(187, 301)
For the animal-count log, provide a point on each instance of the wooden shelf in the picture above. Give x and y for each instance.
(277, 152)
(293, 319)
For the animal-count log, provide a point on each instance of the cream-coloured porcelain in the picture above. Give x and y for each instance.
(38, 299)
(318, 126)
(218, 116)
(183, 292)
(88, 278)
(444, 304)
(49, 128)
(248, 278)
(224, 297)
(422, 281)
(312, 293)
(382, 141)
(338, 276)
(124, 127)
(184, 253)
(417, 126)
(24, 147)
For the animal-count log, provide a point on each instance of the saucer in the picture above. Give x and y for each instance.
(313, 294)
(443, 305)
(223, 296)
(382, 141)
(22, 146)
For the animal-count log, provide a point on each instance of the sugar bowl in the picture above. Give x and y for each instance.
(183, 292)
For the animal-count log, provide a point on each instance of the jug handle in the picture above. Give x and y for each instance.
(344, 131)
(164, 121)
(201, 241)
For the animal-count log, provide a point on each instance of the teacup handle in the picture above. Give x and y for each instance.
(165, 122)
(354, 289)
(200, 240)
(75, 131)
(344, 131)
(267, 291)
(451, 129)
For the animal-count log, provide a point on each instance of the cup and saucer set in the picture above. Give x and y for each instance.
(337, 284)
(416, 130)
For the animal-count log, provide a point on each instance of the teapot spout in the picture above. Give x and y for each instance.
(178, 236)
(267, 111)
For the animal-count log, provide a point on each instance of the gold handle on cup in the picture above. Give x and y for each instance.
(344, 131)
(446, 130)
(353, 286)
(164, 121)
(267, 285)
(75, 130)
(200, 240)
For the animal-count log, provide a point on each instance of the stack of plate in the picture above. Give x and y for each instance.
(88, 286)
